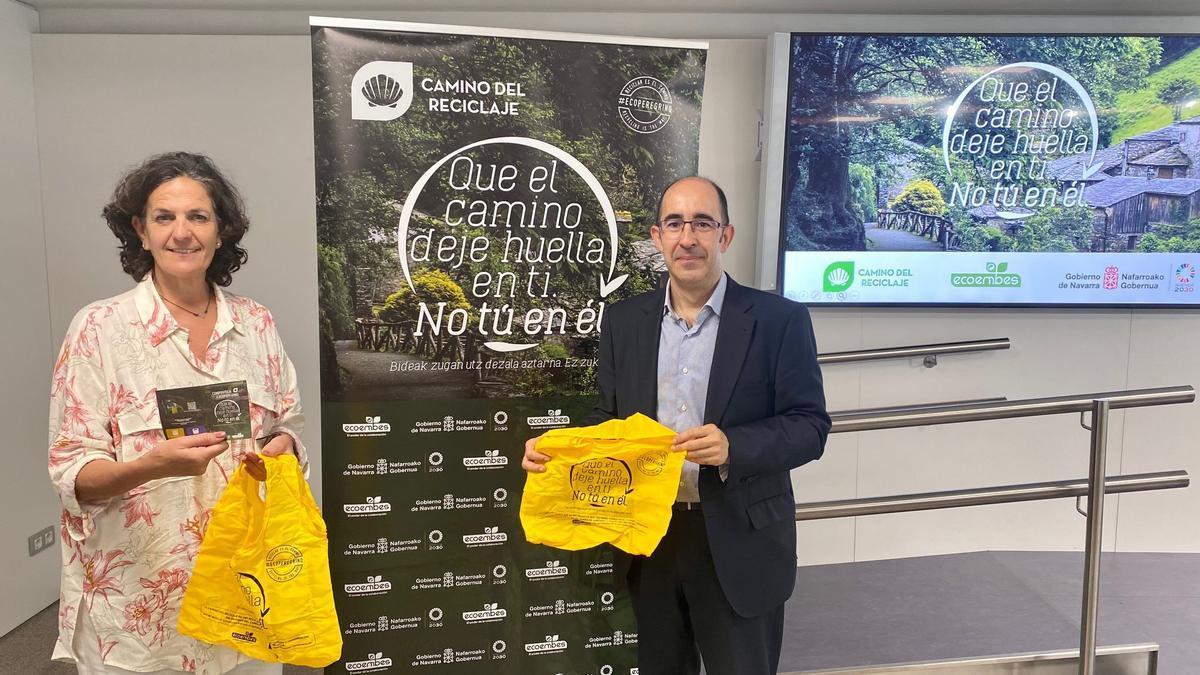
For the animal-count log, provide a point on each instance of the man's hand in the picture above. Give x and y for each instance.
(704, 445)
(533, 460)
(281, 444)
(186, 455)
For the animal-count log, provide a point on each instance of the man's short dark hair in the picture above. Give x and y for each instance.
(720, 196)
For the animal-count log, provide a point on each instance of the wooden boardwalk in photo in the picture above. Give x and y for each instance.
(897, 240)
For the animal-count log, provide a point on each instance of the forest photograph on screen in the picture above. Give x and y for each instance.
(993, 144)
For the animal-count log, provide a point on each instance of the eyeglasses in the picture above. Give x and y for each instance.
(700, 226)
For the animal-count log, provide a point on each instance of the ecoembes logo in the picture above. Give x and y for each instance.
(490, 612)
(997, 276)
(550, 645)
(838, 277)
(374, 661)
(553, 570)
(492, 459)
(373, 586)
(370, 427)
(552, 418)
(491, 536)
(374, 506)
(381, 91)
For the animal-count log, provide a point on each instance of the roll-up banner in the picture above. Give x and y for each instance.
(482, 196)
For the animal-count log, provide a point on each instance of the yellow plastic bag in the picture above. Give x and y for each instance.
(261, 581)
(614, 482)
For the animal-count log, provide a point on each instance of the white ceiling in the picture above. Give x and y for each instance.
(956, 7)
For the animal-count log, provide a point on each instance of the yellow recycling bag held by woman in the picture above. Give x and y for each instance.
(614, 482)
(261, 581)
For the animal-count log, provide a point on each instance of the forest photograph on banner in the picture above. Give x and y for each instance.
(483, 195)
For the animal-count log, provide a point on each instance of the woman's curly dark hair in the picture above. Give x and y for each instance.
(133, 191)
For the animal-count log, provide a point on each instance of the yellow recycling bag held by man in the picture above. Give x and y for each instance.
(261, 581)
(614, 482)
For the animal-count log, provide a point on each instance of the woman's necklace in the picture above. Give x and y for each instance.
(207, 306)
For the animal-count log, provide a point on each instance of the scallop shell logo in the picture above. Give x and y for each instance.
(839, 276)
(381, 91)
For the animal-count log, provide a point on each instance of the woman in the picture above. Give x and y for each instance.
(135, 505)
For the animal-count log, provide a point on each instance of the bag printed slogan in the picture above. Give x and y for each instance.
(261, 581)
(614, 482)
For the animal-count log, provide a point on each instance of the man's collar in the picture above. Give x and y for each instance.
(716, 301)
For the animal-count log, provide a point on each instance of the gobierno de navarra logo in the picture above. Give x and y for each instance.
(370, 426)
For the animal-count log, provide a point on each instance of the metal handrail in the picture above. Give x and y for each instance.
(915, 406)
(1001, 494)
(1100, 404)
(975, 664)
(938, 349)
(1095, 535)
(1032, 407)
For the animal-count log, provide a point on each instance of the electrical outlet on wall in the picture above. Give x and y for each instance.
(41, 541)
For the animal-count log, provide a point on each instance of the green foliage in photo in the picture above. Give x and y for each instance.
(921, 196)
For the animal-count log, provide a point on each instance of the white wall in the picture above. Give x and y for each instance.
(107, 102)
(246, 101)
(30, 583)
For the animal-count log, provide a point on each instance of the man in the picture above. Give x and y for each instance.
(735, 370)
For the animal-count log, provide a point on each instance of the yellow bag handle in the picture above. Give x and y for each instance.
(243, 482)
(290, 477)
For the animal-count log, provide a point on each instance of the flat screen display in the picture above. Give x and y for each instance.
(991, 170)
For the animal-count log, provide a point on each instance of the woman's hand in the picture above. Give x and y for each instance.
(186, 455)
(182, 456)
(279, 444)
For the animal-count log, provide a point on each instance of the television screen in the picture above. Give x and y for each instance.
(991, 170)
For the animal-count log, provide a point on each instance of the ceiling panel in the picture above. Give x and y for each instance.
(332, 7)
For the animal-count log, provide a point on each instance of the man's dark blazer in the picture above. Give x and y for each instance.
(765, 393)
